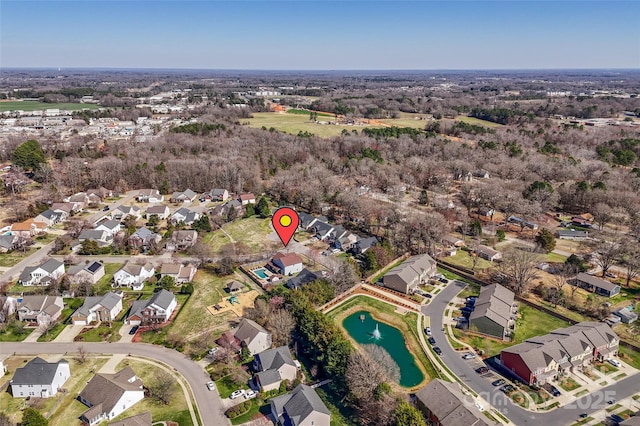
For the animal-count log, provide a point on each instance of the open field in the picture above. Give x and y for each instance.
(463, 259)
(68, 411)
(36, 106)
(477, 121)
(251, 234)
(16, 256)
(177, 410)
(294, 123)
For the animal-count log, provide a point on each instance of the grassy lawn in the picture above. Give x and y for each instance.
(70, 307)
(555, 258)
(581, 393)
(613, 407)
(463, 259)
(10, 259)
(604, 367)
(102, 333)
(620, 376)
(629, 356)
(37, 106)
(255, 408)
(177, 410)
(294, 123)
(104, 285)
(8, 335)
(530, 323)
(251, 234)
(70, 409)
(226, 386)
(477, 121)
(568, 384)
(385, 312)
(341, 415)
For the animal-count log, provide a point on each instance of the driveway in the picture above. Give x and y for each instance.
(565, 415)
(69, 333)
(208, 403)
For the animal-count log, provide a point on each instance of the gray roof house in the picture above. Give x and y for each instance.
(40, 309)
(157, 309)
(143, 419)
(185, 196)
(35, 275)
(218, 194)
(7, 243)
(89, 271)
(488, 253)
(50, 217)
(184, 215)
(306, 220)
(493, 313)
(597, 285)
(443, 404)
(252, 336)
(572, 234)
(122, 212)
(143, 238)
(161, 211)
(273, 366)
(39, 378)
(304, 277)
(627, 315)
(409, 274)
(363, 244)
(109, 395)
(301, 407)
(98, 308)
(103, 238)
(322, 229)
(181, 240)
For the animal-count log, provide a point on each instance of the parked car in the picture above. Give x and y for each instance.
(431, 341)
(211, 386)
(614, 362)
(468, 355)
(249, 394)
(583, 415)
(443, 280)
(105, 209)
(616, 418)
(482, 370)
(134, 329)
(555, 391)
(507, 388)
(428, 296)
(427, 331)
(213, 350)
(437, 350)
(498, 382)
(611, 401)
(479, 406)
(235, 394)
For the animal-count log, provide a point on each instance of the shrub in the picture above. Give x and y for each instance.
(238, 410)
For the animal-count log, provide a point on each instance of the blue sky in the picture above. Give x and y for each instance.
(327, 35)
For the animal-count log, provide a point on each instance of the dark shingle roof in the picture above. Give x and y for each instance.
(107, 389)
(36, 372)
(162, 298)
(448, 404)
(304, 277)
(302, 402)
(143, 419)
(275, 358)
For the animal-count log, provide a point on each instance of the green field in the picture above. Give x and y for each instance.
(36, 106)
(477, 121)
(250, 234)
(294, 123)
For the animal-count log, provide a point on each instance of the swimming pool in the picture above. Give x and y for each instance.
(261, 273)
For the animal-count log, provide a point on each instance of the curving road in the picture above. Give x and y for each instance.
(208, 403)
(565, 415)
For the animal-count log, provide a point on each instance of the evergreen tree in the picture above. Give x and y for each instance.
(407, 415)
(424, 198)
(263, 207)
(29, 155)
(32, 417)
(546, 240)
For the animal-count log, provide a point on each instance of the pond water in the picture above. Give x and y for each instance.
(390, 339)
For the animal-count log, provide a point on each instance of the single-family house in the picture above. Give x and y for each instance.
(133, 275)
(572, 234)
(626, 314)
(233, 287)
(247, 198)
(522, 222)
(186, 196)
(300, 407)
(109, 395)
(488, 253)
(322, 230)
(90, 271)
(184, 215)
(493, 313)
(28, 228)
(80, 200)
(41, 274)
(180, 273)
(481, 174)
(272, 367)
(409, 274)
(248, 334)
(103, 238)
(8, 242)
(182, 240)
(40, 309)
(98, 308)
(121, 212)
(287, 263)
(486, 211)
(304, 277)
(597, 285)
(156, 310)
(101, 192)
(452, 241)
(444, 404)
(66, 209)
(346, 242)
(149, 196)
(540, 359)
(50, 217)
(39, 378)
(219, 194)
(143, 419)
(224, 209)
(161, 211)
(111, 227)
(307, 220)
(363, 244)
(142, 239)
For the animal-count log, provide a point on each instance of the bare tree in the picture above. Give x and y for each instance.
(518, 265)
(161, 387)
(259, 313)
(343, 278)
(202, 252)
(607, 254)
(5, 420)
(380, 356)
(558, 281)
(281, 324)
(46, 324)
(81, 355)
(363, 375)
(602, 214)
(631, 258)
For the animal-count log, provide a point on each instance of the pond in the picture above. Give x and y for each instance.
(390, 338)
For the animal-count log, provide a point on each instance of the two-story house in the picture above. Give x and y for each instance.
(39, 309)
(35, 275)
(272, 367)
(98, 308)
(39, 378)
(133, 275)
(157, 309)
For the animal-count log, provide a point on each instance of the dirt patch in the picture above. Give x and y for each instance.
(242, 301)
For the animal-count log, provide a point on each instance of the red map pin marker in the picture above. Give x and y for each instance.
(285, 221)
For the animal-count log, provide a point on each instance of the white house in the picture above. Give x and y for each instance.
(109, 395)
(287, 263)
(184, 215)
(83, 272)
(179, 272)
(149, 196)
(98, 308)
(39, 378)
(247, 198)
(134, 276)
(158, 309)
(122, 212)
(103, 238)
(50, 217)
(161, 211)
(111, 227)
(35, 275)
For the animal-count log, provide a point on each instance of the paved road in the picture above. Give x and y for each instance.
(465, 371)
(208, 403)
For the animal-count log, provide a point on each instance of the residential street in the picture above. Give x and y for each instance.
(465, 371)
(208, 403)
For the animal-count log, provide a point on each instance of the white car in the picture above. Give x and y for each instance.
(213, 350)
(614, 362)
(468, 355)
(237, 393)
(479, 406)
(249, 394)
(211, 386)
